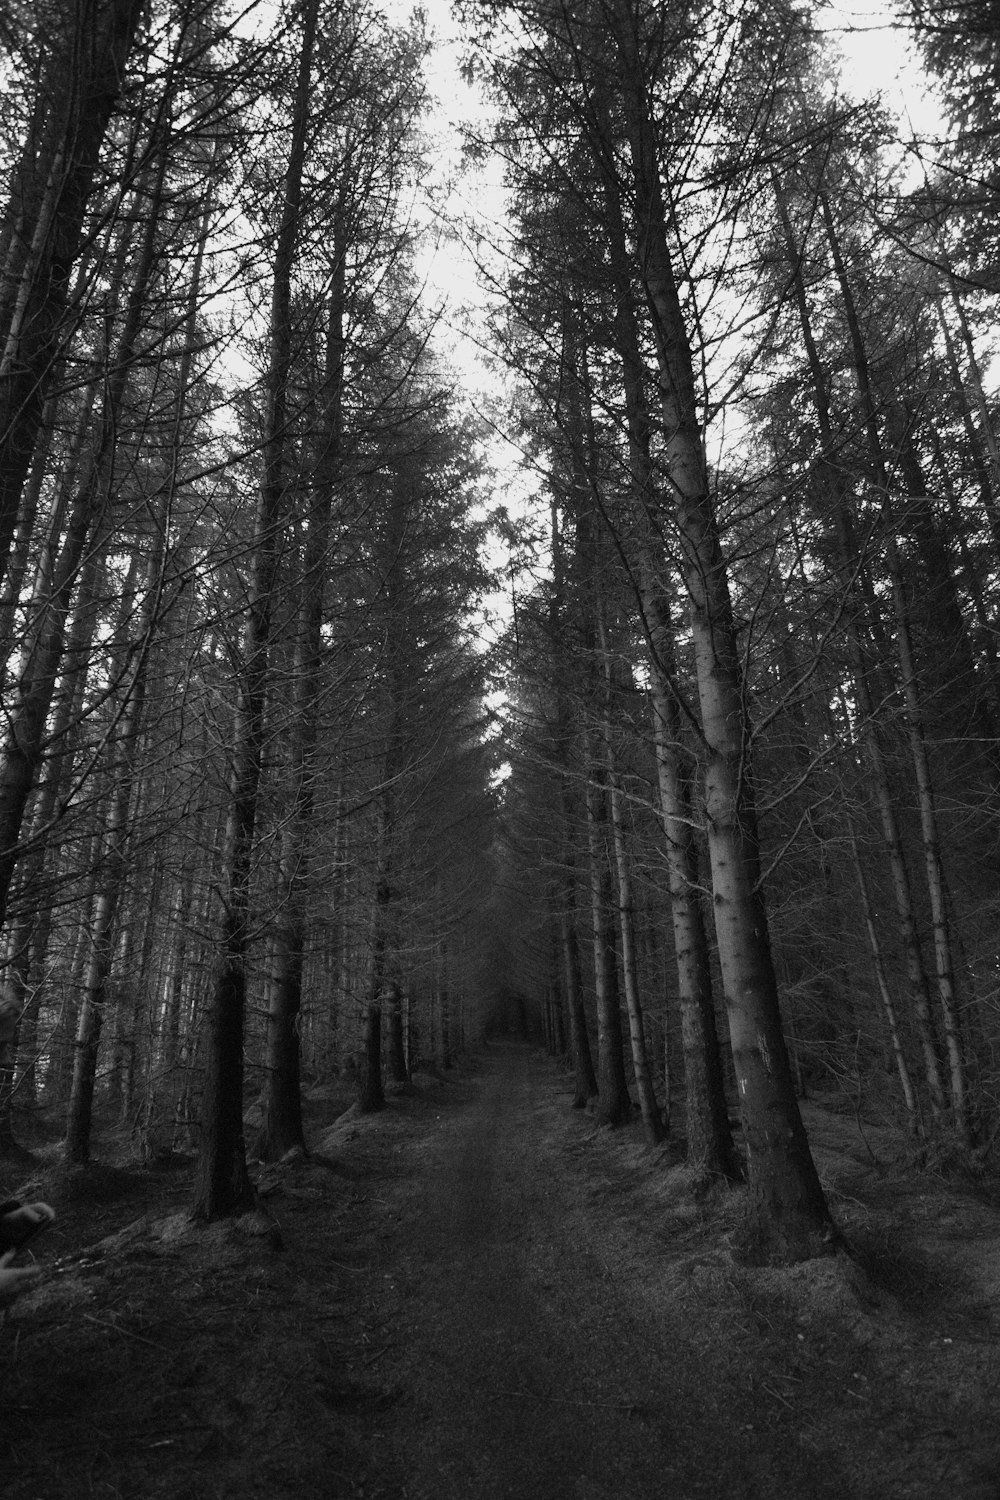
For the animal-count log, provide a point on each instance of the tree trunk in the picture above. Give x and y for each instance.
(852, 566)
(16, 963)
(555, 996)
(710, 1150)
(914, 709)
(584, 1078)
(888, 1005)
(613, 1104)
(45, 638)
(51, 188)
(17, 569)
(223, 1185)
(442, 992)
(113, 866)
(788, 1219)
(648, 1107)
(395, 1048)
(281, 1125)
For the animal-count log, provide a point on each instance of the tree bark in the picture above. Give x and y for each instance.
(852, 565)
(885, 994)
(710, 1150)
(584, 1078)
(45, 216)
(933, 864)
(648, 1107)
(613, 1103)
(59, 576)
(281, 1126)
(788, 1218)
(223, 1186)
(395, 1049)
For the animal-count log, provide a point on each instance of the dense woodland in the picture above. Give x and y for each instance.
(713, 810)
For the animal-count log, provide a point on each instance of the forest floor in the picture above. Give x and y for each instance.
(478, 1296)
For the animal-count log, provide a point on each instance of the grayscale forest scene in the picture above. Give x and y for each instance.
(499, 750)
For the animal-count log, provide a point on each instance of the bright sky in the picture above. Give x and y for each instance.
(876, 60)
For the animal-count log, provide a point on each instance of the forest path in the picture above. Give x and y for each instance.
(535, 1367)
(480, 1297)
(541, 1354)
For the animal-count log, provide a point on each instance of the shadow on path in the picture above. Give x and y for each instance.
(539, 1360)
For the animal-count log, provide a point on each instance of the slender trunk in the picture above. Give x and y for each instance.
(442, 1051)
(371, 1093)
(17, 568)
(584, 1078)
(934, 872)
(161, 1093)
(788, 1218)
(16, 968)
(337, 940)
(648, 1106)
(613, 1104)
(114, 861)
(31, 695)
(395, 1048)
(919, 990)
(61, 1063)
(557, 1020)
(112, 870)
(933, 864)
(75, 472)
(281, 1101)
(710, 1150)
(281, 1125)
(133, 1053)
(223, 1184)
(23, 986)
(446, 1032)
(29, 934)
(888, 1005)
(43, 649)
(81, 87)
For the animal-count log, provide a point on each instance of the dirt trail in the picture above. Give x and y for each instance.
(535, 1370)
(544, 1355)
(481, 1298)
